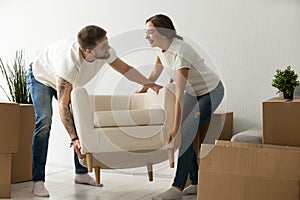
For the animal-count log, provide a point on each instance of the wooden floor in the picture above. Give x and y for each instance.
(118, 185)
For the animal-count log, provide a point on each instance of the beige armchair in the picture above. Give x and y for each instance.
(124, 131)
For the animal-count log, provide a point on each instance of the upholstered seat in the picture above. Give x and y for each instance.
(124, 131)
(253, 135)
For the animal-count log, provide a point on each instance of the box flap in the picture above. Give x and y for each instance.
(244, 144)
(276, 100)
(7, 102)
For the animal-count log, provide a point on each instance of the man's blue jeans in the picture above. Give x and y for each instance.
(196, 110)
(42, 100)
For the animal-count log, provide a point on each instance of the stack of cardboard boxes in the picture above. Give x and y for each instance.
(16, 129)
(242, 171)
(9, 133)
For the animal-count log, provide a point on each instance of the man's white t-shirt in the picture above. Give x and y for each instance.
(201, 79)
(64, 59)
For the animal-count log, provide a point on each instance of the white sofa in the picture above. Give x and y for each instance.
(124, 131)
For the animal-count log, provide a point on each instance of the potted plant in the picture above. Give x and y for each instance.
(15, 76)
(286, 81)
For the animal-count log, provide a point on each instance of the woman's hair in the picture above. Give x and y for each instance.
(89, 36)
(164, 26)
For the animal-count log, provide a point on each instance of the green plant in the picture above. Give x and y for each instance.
(285, 81)
(15, 77)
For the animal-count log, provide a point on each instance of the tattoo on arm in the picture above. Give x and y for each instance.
(64, 100)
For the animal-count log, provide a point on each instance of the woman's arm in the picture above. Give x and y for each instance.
(133, 75)
(158, 68)
(181, 80)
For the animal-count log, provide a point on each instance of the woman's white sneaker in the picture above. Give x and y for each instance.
(190, 190)
(172, 193)
(39, 189)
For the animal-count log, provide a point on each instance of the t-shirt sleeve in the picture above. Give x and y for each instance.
(181, 62)
(113, 56)
(67, 73)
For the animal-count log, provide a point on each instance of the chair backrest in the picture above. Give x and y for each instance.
(109, 102)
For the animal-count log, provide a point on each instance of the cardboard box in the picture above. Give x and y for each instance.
(281, 122)
(235, 171)
(24, 156)
(219, 127)
(5, 167)
(9, 123)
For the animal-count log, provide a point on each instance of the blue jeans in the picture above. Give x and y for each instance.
(42, 100)
(196, 111)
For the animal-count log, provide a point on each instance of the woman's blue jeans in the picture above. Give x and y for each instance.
(42, 100)
(196, 111)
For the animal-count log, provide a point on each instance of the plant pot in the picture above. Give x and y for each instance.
(286, 96)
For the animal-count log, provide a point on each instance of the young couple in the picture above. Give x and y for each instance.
(67, 64)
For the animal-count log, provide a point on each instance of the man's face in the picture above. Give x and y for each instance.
(101, 50)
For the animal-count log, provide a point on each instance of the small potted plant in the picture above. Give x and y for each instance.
(286, 81)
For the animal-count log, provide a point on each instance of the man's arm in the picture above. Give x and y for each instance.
(133, 75)
(64, 89)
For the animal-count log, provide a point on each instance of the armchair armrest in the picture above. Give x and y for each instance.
(82, 115)
(165, 99)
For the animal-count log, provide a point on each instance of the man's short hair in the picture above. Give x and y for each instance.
(89, 36)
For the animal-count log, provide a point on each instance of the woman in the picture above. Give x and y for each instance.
(199, 92)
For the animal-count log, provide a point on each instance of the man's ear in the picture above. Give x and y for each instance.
(88, 51)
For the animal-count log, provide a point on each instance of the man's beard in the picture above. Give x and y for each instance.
(106, 56)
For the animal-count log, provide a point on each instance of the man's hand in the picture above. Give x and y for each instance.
(77, 147)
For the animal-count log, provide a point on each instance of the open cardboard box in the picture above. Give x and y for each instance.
(242, 171)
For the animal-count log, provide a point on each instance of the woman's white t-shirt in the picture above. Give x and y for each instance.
(201, 79)
(64, 59)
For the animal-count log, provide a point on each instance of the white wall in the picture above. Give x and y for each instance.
(246, 40)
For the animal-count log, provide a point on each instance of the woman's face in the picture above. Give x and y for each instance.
(153, 36)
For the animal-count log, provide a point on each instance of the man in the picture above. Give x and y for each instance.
(54, 73)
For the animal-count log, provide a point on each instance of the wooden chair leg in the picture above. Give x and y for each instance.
(97, 174)
(171, 157)
(150, 171)
(89, 160)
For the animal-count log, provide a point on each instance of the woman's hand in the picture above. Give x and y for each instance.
(142, 90)
(77, 147)
(156, 87)
(175, 137)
